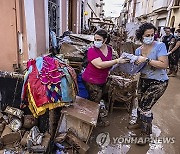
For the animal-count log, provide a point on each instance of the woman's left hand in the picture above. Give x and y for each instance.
(169, 53)
(141, 59)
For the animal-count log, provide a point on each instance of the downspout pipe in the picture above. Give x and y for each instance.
(18, 28)
(169, 9)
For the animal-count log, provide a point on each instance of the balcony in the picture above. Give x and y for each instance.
(176, 5)
(160, 5)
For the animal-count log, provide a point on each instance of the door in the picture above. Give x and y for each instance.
(82, 16)
(53, 16)
(72, 15)
(70, 24)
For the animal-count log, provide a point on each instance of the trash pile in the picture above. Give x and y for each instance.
(96, 23)
(73, 47)
(121, 89)
(69, 143)
(20, 134)
(49, 83)
(75, 126)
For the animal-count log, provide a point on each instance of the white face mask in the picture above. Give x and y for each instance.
(148, 40)
(98, 44)
(176, 35)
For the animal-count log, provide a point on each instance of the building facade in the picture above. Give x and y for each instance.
(92, 9)
(25, 26)
(160, 13)
(174, 19)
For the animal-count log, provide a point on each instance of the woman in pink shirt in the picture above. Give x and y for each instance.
(99, 63)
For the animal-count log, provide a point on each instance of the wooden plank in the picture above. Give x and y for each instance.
(78, 127)
(68, 123)
(84, 37)
(79, 145)
(84, 110)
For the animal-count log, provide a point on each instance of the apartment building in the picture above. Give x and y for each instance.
(159, 12)
(174, 13)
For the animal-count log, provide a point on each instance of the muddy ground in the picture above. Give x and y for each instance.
(166, 123)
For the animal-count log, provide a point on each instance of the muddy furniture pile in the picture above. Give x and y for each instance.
(49, 86)
(122, 89)
(75, 126)
(74, 48)
(20, 134)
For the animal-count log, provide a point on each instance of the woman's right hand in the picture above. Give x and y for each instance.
(123, 60)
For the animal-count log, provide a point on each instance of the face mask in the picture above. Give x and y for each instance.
(176, 35)
(98, 44)
(148, 40)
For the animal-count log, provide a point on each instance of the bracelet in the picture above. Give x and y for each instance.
(148, 60)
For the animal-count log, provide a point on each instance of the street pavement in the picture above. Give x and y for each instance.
(166, 125)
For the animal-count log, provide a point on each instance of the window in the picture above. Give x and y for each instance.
(172, 21)
(53, 16)
(177, 2)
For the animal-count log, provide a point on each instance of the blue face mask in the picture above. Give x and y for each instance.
(148, 40)
(98, 44)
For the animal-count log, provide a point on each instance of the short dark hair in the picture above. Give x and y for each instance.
(104, 34)
(167, 28)
(143, 28)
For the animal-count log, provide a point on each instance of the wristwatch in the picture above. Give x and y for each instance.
(148, 60)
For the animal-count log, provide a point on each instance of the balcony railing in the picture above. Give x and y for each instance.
(176, 4)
